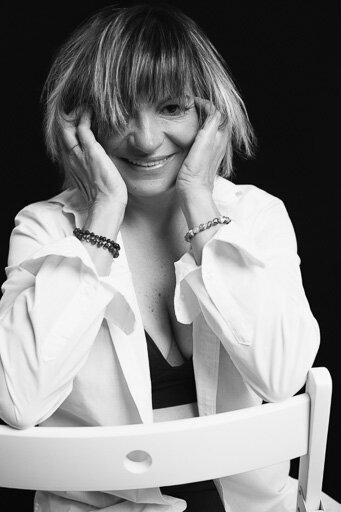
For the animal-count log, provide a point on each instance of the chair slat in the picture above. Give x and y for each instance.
(95, 458)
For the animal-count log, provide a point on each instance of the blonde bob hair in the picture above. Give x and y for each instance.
(123, 55)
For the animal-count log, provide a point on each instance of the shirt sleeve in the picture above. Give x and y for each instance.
(250, 291)
(52, 308)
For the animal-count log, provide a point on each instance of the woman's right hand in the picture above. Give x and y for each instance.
(92, 169)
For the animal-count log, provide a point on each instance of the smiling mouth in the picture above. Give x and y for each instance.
(150, 164)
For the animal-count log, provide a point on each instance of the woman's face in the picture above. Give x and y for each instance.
(154, 145)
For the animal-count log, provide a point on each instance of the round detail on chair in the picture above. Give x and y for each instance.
(137, 461)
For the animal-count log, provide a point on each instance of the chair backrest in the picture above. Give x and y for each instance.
(174, 452)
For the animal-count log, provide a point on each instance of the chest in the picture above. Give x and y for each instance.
(151, 262)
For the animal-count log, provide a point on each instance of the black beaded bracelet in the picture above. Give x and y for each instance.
(100, 241)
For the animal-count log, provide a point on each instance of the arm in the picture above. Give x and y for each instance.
(244, 277)
(56, 294)
(250, 292)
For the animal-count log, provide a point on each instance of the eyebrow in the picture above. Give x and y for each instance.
(172, 98)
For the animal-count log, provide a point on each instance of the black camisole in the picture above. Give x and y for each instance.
(175, 385)
(171, 385)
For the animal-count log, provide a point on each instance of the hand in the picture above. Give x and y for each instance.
(92, 169)
(200, 167)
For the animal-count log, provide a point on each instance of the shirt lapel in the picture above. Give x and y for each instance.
(206, 350)
(122, 315)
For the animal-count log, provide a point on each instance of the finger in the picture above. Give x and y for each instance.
(209, 129)
(84, 133)
(205, 105)
(211, 114)
(69, 134)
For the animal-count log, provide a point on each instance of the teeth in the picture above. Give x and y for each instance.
(150, 164)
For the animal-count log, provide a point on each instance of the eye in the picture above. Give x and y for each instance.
(173, 109)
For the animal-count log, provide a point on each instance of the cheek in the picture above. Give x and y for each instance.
(111, 144)
(184, 133)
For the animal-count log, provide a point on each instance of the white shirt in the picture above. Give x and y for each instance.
(69, 336)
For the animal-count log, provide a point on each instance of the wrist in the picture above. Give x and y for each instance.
(108, 203)
(193, 192)
(198, 206)
(105, 219)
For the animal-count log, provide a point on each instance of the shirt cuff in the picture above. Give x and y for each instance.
(118, 309)
(232, 234)
(186, 304)
(68, 247)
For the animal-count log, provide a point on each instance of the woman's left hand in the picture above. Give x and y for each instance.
(200, 166)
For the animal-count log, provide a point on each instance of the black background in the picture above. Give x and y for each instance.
(283, 57)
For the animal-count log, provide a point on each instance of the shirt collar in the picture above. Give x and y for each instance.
(71, 199)
(225, 191)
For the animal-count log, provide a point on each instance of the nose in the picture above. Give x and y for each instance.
(145, 133)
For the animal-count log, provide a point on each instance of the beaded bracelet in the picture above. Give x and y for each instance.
(100, 241)
(217, 220)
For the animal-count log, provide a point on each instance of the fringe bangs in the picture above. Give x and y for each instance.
(148, 65)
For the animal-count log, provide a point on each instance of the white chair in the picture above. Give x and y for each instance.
(174, 452)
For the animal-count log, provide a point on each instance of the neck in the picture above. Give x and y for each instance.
(156, 212)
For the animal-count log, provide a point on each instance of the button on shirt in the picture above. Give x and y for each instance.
(69, 336)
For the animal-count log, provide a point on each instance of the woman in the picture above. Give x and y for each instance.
(151, 288)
